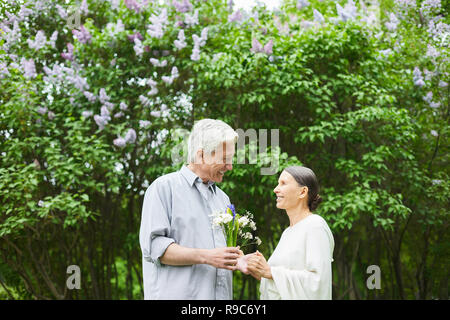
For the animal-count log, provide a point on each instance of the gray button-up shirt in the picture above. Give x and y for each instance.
(177, 208)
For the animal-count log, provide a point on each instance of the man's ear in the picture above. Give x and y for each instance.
(200, 156)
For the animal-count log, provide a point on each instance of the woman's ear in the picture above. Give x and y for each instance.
(303, 192)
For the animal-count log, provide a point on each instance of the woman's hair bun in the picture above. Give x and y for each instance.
(315, 202)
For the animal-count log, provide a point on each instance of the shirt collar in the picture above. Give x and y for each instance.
(191, 177)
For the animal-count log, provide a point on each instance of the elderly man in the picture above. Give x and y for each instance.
(184, 257)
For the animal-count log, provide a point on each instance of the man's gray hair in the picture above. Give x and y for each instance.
(208, 134)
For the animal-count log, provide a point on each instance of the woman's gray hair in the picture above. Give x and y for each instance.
(208, 134)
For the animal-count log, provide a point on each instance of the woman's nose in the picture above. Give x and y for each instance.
(229, 166)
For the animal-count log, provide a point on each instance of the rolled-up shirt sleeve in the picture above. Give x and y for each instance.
(154, 235)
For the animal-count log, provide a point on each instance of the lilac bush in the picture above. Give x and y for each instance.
(89, 109)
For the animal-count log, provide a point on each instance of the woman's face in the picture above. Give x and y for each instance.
(289, 193)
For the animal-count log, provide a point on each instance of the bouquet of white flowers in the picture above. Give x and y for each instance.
(235, 226)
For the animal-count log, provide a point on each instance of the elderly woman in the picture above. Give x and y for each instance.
(300, 266)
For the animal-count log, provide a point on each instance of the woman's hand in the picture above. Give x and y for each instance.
(242, 263)
(258, 266)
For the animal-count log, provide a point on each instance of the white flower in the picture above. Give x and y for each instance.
(243, 221)
(253, 225)
(226, 218)
(248, 236)
(258, 241)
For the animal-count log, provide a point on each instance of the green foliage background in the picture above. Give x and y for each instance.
(348, 111)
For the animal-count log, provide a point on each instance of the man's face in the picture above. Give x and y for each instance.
(218, 162)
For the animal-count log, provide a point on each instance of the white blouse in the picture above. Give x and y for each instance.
(301, 263)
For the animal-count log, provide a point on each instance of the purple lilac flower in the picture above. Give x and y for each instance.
(3, 70)
(442, 84)
(40, 41)
(428, 74)
(258, 48)
(103, 96)
(120, 142)
(28, 67)
(145, 101)
(138, 47)
(438, 30)
(183, 6)
(101, 121)
(87, 113)
(428, 97)
(130, 136)
(51, 115)
(144, 123)
(418, 78)
(109, 105)
(235, 17)
(115, 4)
(137, 35)
(123, 106)
(180, 43)
(153, 91)
(204, 36)
(429, 7)
(393, 22)
(302, 4)
(348, 12)
(82, 35)
(114, 28)
(11, 36)
(53, 39)
(191, 20)
(195, 56)
(25, 12)
(169, 79)
(61, 75)
(179, 23)
(156, 28)
(432, 52)
(157, 63)
(318, 16)
(42, 110)
(119, 114)
(62, 12)
(84, 7)
(69, 54)
(133, 5)
(434, 133)
(155, 114)
(435, 105)
(283, 28)
(198, 42)
(90, 96)
(104, 112)
(386, 52)
(306, 24)
(268, 47)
